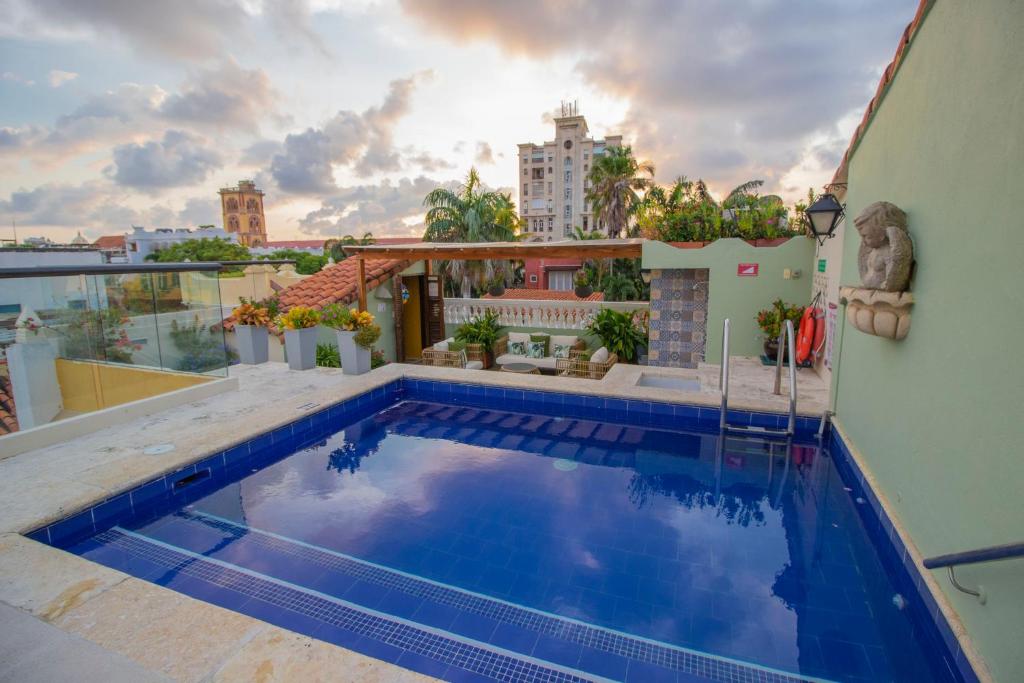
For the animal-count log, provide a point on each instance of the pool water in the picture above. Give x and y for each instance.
(472, 543)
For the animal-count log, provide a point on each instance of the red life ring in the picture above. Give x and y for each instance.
(805, 337)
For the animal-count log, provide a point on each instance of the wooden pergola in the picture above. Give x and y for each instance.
(481, 251)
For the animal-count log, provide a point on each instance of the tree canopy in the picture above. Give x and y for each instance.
(305, 263)
(334, 247)
(471, 214)
(616, 181)
(204, 249)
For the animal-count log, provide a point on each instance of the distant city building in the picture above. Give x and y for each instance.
(242, 209)
(79, 241)
(140, 243)
(553, 179)
(315, 247)
(112, 247)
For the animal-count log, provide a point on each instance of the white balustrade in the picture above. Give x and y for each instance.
(568, 315)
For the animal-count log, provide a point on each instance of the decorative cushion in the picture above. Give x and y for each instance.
(475, 365)
(542, 337)
(441, 345)
(585, 355)
(517, 348)
(599, 356)
(561, 350)
(518, 337)
(563, 339)
(537, 349)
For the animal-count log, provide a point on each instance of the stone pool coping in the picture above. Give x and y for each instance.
(152, 625)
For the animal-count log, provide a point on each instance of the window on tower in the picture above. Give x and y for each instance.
(233, 223)
(254, 223)
(232, 204)
(252, 206)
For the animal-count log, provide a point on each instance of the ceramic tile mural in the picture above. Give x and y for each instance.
(679, 307)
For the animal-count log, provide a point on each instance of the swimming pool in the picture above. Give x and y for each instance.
(478, 533)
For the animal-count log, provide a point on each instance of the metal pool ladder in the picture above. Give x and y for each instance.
(785, 342)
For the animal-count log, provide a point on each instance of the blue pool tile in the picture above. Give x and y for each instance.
(621, 585)
(557, 651)
(473, 626)
(285, 618)
(110, 512)
(603, 664)
(432, 614)
(850, 659)
(72, 529)
(146, 493)
(529, 589)
(514, 638)
(378, 650)
(642, 672)
(456, 674)
(337, 635)
(236, 454)
(366, 593)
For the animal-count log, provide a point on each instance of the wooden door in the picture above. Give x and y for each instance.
(435, 310)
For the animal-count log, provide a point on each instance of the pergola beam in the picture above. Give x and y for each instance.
(442, 251)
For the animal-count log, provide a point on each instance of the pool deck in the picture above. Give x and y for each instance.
(101, 619)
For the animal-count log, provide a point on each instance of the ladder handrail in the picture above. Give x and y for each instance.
(787, 333)
(723, 376)
(786, 341)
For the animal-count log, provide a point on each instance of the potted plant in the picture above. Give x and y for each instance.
(299, 325)
(357, 333)
(584, 286)
(480, 334)
(251, 333)
(771, 320)
(618, 333)
(496, 287)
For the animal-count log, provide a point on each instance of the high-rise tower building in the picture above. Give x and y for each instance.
(242, 208)
(553, 178)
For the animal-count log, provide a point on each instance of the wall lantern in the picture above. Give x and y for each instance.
(645, 275)
(824, 215)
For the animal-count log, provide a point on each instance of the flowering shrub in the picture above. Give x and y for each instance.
(771, 320)
(249, 314)
(298, 318)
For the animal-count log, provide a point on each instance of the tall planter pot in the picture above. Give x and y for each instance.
(300, 346)
(355, 359)
(253, 344)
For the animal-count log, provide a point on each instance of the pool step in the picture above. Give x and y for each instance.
(401, 641)
(548, 637)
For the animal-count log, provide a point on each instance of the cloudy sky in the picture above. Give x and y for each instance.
(121, 112)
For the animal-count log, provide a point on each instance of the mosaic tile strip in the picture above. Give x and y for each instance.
(325, 609)
(884, 534)
(638, 649)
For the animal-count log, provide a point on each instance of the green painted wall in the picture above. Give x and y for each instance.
(740, 298)
(937, 416)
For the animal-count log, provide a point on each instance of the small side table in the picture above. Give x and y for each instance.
(521, 368)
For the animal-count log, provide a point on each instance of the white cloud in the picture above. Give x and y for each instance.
(179, 159)
(58, 78)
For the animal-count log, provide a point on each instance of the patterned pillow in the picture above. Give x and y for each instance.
(536, 349)
(517, 348)
(542, 337)
(562, 350)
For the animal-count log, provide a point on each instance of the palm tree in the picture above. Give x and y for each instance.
(471, 214)
(335, 247)
(615, 180)
(599, 265)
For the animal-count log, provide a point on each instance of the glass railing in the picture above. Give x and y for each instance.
(76, 339)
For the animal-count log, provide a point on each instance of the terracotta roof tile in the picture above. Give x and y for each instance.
(545, 295)
(337, 283)
(110, 242)
(8, 414)
(923, 6)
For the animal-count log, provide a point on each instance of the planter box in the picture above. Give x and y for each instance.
(253, 343)
(300, 347)
(355, 359)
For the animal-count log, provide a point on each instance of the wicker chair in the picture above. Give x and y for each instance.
(578, 366)
(450, 359)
